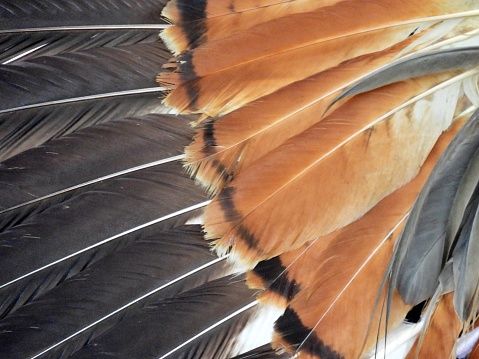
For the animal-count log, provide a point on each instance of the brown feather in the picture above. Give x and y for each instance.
(230, 144)
(349, 272)
(224, 18)
(322, 176)
(213, 79)
(440, 338)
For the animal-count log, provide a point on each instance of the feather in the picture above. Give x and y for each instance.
(297, 51)
(424, 246)
(66, 237)
(227, 145)
(349, 274)
(347, 137)
(39, 101)
(286, 275)
(264, 352)
(31, 182)
(55, 26)
(416, 65)
(89, 303)
(216, 19)
(181, 320)
(85, 258)
(440, 337)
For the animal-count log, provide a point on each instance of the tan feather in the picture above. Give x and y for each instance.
(230, 144)
(213, 80)
(345, 271)
(354, 146)
(440, 338)
(222, 18)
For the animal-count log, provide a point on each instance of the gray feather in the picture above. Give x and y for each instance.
(414, 66)
(424, 247)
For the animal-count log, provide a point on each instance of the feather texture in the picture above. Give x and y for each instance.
(312, 179)
(297, 51)
(311, 159)
(349, 275)
(100, 296)
(39, 102)
(33, 28)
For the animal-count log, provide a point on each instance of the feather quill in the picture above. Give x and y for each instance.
(338, 146)
(89, 303)
(41, 99)
(297, 51)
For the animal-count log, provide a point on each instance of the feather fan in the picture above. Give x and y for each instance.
(337, 143)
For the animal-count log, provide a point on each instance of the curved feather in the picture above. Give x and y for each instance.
(320, 164)
(416, 65)
(424, 246)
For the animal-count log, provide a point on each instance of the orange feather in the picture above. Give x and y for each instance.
(322, 177)
(227, 145)
(213, 81)
(440, 338)
(221, 18)
(345, 271)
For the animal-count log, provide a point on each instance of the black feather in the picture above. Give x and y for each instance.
(91, 302)
(32, 28)
(62, 240)
(180, 320)
(42, 176)
(52, 96)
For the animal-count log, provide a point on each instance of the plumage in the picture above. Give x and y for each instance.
(215, 65)
(227, 145)
(350, 272)
(315, 127)
(440, 338)
(325, 160)
(34, 28)
(39, 102)
(207, 21)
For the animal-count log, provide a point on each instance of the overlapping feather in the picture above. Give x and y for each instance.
(276, 193)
